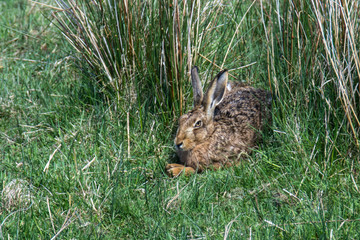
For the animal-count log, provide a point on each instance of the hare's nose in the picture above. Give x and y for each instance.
(179, 146)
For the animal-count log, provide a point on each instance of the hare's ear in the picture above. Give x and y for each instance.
(196, 84)
(215, 93)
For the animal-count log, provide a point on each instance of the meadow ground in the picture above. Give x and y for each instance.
(67, 169)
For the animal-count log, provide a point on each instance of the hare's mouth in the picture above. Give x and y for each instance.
(184, 145)
(179, 146)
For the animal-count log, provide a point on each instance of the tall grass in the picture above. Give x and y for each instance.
(307, 51)
(338, 22)
(152, 45)
(133, 44)
(313, 61)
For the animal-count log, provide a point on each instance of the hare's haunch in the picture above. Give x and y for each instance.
(223, 126)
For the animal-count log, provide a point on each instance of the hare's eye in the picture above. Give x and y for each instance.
(198, 124)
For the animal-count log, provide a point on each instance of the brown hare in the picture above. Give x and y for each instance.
(222, 127)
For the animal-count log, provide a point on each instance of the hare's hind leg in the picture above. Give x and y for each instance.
(174, 170)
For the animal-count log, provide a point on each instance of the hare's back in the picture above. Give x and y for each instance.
(244, 105)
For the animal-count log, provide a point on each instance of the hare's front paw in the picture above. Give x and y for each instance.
(174, 170)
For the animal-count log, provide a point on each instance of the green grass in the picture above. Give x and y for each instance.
(67, 141)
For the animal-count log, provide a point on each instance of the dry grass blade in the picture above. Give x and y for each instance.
(236, 32)
(68, 220)
(274, 225)
(46, 5)
(46, 168)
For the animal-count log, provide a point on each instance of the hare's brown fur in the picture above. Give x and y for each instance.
(223, 126)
